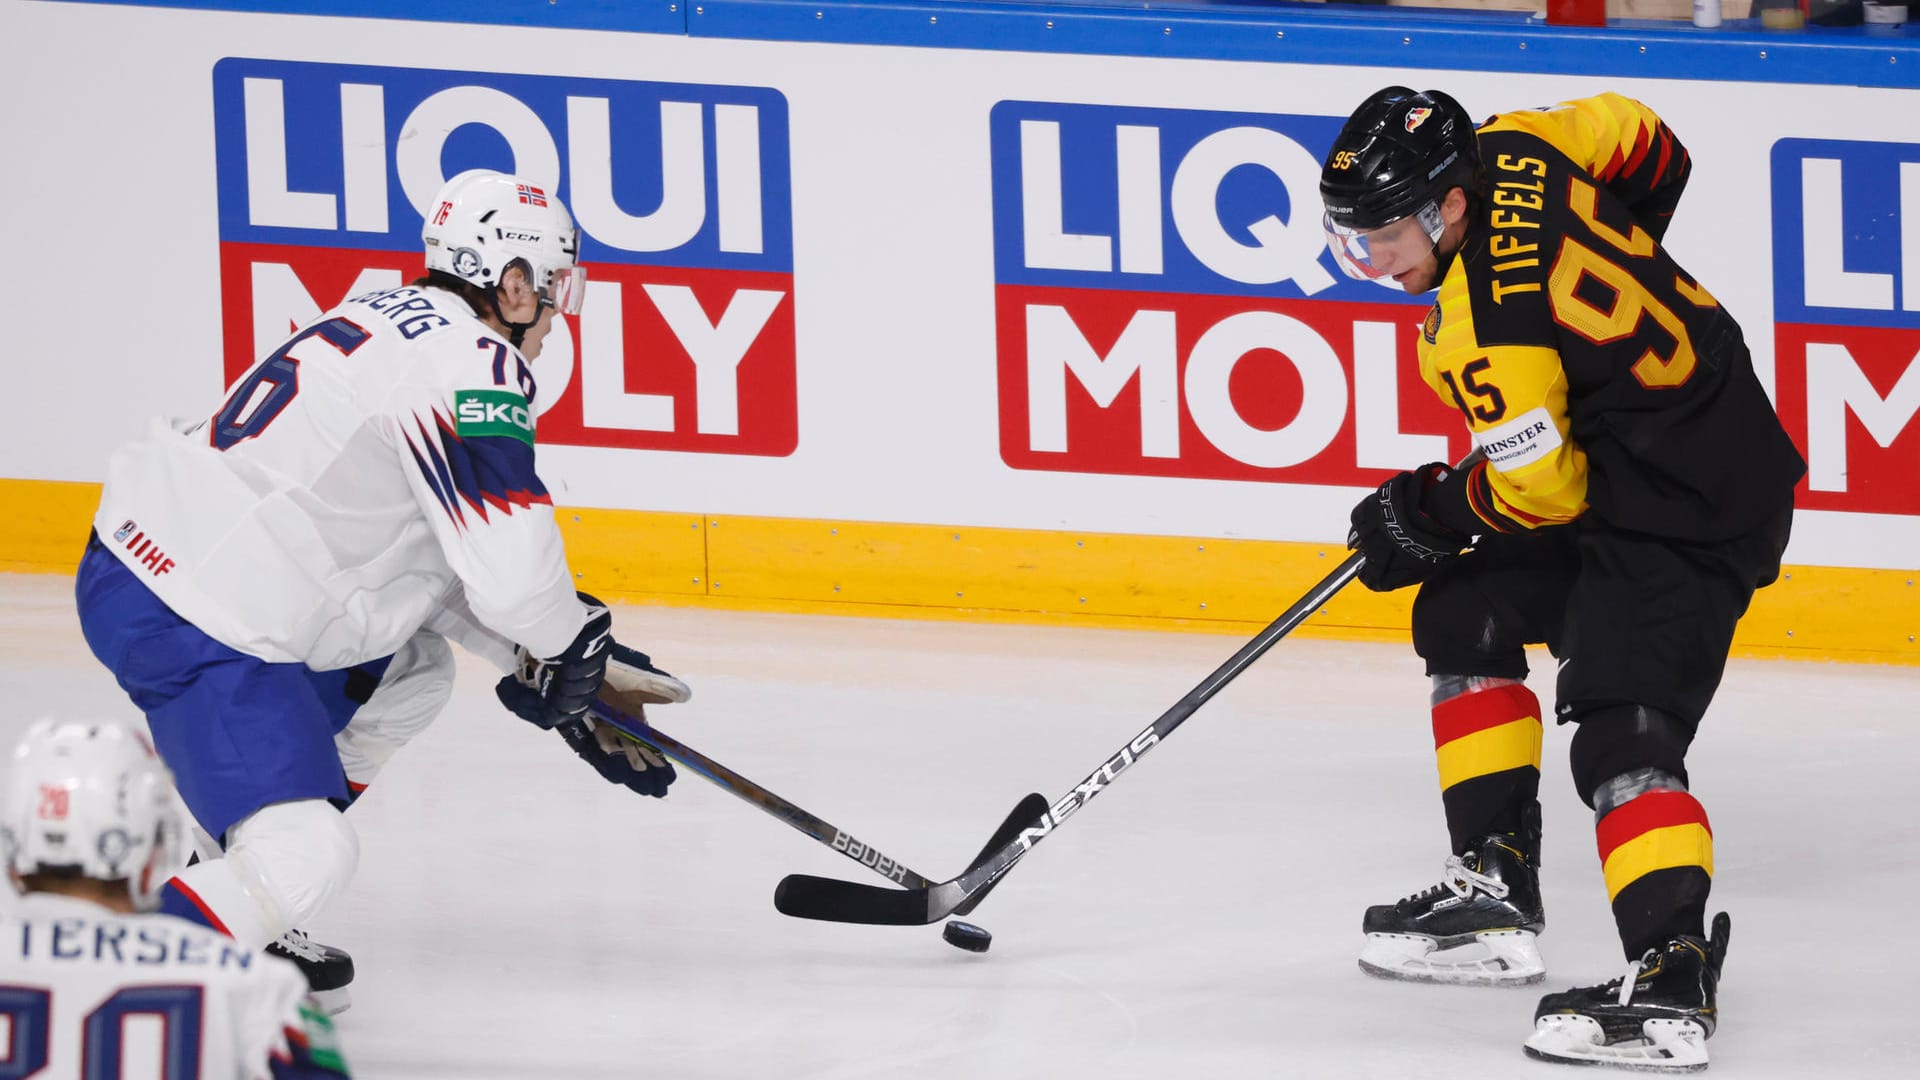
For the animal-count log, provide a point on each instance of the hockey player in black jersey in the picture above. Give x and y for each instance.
(1635, 488)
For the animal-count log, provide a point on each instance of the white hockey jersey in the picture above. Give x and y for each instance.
(350, 485)
(86, 992)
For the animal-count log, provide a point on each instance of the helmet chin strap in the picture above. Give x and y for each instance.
(1446, 261)
(516, 332)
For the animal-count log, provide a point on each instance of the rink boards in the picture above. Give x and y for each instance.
(971, 311)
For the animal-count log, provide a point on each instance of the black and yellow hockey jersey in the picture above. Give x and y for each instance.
(1598, 376)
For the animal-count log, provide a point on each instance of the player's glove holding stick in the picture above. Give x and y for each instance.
(556, 692)
(1399, 528)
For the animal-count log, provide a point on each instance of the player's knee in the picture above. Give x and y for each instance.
(419, 683)
(1455, 632)
(428, 656)
(1622, 751)
(1620, 790)
(299, 855)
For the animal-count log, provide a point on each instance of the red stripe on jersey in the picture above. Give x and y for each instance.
(1480, 709)
(1641, 815)
(450, 442)
(1480, 501)
(200, 905)
(1477, 497)
(1641, 144)
(1514, 513)
(1616, 161)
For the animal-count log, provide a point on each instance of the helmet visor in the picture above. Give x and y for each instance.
(1397, 246)
(566, 290)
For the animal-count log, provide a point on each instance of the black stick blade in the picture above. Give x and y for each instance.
(805, 896)
(1025, 815)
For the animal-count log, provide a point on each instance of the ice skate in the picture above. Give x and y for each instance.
(1477, 927)
(328, 970)
(1655, 1018)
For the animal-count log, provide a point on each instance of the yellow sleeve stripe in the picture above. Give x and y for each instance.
(1658, 849)
(1542, 502)
(1512, 745)
(1694, 292)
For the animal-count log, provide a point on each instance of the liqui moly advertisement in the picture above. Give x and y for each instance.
(1166, 307)
(1846, 311)
(681, 193)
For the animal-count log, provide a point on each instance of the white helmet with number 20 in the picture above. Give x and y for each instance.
(91, 796)
(483, 221)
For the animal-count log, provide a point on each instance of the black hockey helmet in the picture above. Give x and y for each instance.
(1400, 150)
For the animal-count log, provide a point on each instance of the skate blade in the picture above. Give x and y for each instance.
(1665, 1046)
(1501, 958)
(331, 1002)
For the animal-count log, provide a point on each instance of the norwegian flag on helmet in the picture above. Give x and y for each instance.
(531, 196)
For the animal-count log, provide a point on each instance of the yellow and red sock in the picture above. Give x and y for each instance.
(1656, 851)
(1486, 737)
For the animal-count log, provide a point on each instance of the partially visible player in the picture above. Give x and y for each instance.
(275, 585)
(1636, 489)
(89, 832)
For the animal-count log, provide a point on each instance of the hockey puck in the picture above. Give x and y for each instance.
(965, 935)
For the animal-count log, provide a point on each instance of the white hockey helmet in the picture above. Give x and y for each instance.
(92, 796)
(483, 221)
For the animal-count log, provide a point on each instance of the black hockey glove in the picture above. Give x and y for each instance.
(547, 692)
(1403, 544)
(557, 693)
(550, 692)
(619, 757)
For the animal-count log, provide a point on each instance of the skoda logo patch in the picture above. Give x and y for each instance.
(466, 262)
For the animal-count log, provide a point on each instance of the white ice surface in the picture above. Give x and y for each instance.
(513, 916)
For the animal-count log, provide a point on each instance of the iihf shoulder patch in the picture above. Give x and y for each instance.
(1431, 328)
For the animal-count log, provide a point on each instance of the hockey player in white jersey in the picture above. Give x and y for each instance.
(274, 586)
(88, 831)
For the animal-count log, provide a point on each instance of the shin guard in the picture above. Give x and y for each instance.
(1486, 736)
(1656, 851)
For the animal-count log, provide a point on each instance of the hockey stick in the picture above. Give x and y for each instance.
(805, 896)
(1030, 809)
